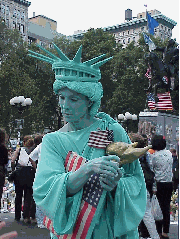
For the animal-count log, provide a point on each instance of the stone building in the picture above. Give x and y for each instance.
(130, 29)
(42, 30)
(15, 14)
(38, 29)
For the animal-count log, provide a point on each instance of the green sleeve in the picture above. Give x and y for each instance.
(130, 195)
(49, 189)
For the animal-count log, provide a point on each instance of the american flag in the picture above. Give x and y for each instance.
(164, 101)
(100, 139)
(151, 101)
(148, 74)
(92, 192)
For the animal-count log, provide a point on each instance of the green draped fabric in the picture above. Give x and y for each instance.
(122, 209)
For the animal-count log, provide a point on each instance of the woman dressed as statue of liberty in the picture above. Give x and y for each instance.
(82, 190)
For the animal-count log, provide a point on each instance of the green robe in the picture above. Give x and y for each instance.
(122, 209)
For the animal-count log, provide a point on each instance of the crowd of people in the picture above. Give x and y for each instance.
(23, 163)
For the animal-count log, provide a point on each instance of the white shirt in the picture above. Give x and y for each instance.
(162, 161)
(24, 158)
(35, 154)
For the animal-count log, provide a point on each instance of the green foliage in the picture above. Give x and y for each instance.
(22, 75)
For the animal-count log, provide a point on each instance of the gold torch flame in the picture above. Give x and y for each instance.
(127, 152)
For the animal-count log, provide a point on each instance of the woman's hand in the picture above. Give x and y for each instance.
(107, 169)
(8, 235)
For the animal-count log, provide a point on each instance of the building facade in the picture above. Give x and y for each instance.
(15, 14)
(131, 28)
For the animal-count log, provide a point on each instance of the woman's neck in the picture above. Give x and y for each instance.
(82, 123)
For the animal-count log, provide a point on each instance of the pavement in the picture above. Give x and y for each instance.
(33, 232)
(24, 231)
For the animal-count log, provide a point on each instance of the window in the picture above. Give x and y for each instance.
(14, 25)
(23, 16)
(161, 26)
(41, 43)
(3, 9)
(128, 32)
(129, 40)
(124, 41)
(140, 16)
(123, 33)
(14, 14)
(18, 14)
(7, 9)
(134, 39)
(18, 26)
(22, 28)
(7, 22)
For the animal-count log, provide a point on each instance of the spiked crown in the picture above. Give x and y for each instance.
(72, 70)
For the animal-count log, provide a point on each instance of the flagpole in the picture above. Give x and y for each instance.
(147, 19)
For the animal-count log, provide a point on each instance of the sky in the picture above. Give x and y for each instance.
(76, 15)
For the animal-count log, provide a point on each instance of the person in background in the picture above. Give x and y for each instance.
(147, 226)
(3, 159)
(34, 158)
(8, 166)
(24, 178)
(35, 154)
(175, 169)
(162, 163)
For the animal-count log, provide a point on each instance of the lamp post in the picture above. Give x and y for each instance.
(126, 118)
(21, 103)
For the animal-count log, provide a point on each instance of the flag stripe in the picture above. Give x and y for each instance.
(81, 159)
(69, 161)
(80, 220)
(88, 222)
(72, 162)
(67, 158)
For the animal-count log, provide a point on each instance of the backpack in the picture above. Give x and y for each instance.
(148, 173)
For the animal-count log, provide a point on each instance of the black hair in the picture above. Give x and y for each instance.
(158, 142)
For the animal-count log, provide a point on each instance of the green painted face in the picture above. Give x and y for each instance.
(74, 106)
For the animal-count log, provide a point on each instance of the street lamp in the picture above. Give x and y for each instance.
(127, 117)
(21, 103)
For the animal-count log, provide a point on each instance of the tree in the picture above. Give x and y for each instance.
(129, 70)
(22, 75)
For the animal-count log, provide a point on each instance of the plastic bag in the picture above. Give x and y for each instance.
(156, 209)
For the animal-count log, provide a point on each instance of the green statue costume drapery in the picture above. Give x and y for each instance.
(121, 212)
